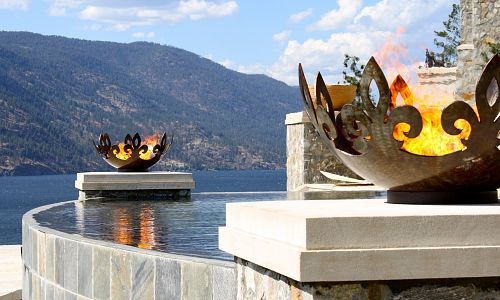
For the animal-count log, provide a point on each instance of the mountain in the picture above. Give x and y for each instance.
(58, 94)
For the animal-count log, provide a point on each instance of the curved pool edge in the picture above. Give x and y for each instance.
(59, 265)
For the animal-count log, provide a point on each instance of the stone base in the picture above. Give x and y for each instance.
(364, 240)
(134, 185)
(255, 282)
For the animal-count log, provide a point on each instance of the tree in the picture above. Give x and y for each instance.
(352, 71)
(448, 39)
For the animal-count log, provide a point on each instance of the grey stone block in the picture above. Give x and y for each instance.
(26, 283)
(70, 265)
(34, 250)
(101, 272)
(49, 291)
(35, 288)
(196, 281)
(41, 253)
(143, 270)
(58, 293)
(224, 283)
(85, 270)
(59, 261)
(120, 275)
(70, 296)
(168, 279)
(27, 255)
(50, 257)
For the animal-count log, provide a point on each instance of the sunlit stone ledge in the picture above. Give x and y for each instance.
(363, 240)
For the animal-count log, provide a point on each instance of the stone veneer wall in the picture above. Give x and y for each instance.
(68, 266)
(480, 25)
(307, 154)
(256, 282)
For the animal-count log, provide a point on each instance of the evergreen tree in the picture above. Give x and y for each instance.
(352, 71)
(448, 39)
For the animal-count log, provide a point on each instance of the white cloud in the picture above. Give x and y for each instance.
(119, 27)
(143, 35)
(201, 9)
(14, 4)
(92, 27)
(228, 63)
(282, 36)
(295, 18)
(326, 56)
(252, 69)
(338, 17)
(154, 14)
(389, 14)
(58, 7)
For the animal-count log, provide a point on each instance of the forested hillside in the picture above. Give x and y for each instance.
(58, 94)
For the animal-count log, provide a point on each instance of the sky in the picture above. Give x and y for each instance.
(249, 36)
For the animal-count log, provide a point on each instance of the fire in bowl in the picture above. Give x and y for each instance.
(133, 155)
(392, 145)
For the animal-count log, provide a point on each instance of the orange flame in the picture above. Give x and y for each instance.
(433, 140)
(150, 141)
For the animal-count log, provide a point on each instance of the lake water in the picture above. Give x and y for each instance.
(21, 194)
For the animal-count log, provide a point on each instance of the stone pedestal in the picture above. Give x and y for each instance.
(328, 244)
(307, 155)
(134, 185)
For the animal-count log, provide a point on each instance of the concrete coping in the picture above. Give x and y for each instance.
(356, 240)
(107, 181)
(297, 118)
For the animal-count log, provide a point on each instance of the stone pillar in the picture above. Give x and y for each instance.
(307, 155)
(480, 29)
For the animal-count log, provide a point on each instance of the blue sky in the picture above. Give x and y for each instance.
(267, 37)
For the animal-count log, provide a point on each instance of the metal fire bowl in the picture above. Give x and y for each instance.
(363, 140)
(133, 145)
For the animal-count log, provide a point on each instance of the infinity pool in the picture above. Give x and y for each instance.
(187, 227)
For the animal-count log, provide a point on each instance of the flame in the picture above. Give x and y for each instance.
(150, 141)
(433, 140)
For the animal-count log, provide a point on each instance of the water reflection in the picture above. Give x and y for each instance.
(188, 227)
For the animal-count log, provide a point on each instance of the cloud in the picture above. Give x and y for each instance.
(143, 35)
(295, 18)
(14, 4)
(129, 13)
(338, 17)
(119, 27)
(228, 63)
(389, 14)
(92, 27)
(201, 9)
(326, 56)
(282, 36)
(252, 69)
(58, 7)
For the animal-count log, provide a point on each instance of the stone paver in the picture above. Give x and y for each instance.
(11, 272)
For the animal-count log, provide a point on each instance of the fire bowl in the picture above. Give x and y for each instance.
(132, 155)
(362, 137)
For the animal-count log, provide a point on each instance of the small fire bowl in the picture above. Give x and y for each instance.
(132, 155)
(363, 138)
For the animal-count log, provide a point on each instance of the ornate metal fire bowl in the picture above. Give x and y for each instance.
(362, 136)
(132, 156)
